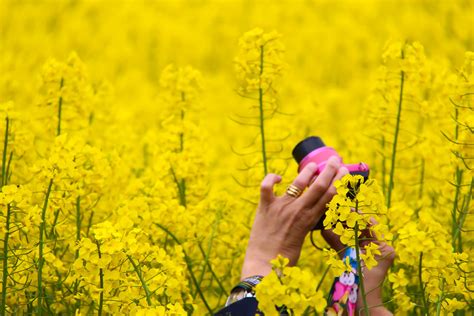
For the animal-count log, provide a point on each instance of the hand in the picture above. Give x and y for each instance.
(373, 279)
(282, 223)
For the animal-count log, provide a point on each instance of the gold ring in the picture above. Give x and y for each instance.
(293, 191)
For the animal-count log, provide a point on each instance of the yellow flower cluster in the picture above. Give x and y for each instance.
(288, 287)
(259, 61)
(357, 205)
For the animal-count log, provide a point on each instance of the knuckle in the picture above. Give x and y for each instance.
(311, 167)
(319, 187)
(298, 183)
(391, 254)
(333, 166)
(294, 218)
(302, 211)
(298, 206)
(332, 190)
(265, 187)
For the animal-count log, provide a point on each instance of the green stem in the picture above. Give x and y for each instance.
(189, 266)
(101, 282)
(4, 158)
(89, 223)
(7, 224)
(181, 185)
(181, 135)
(29, 304)
(41, 244)
(262, 118)
(462, 217)
(78, 222)
(5, 262)
(456, 128)
(207, 254)
(395, 137)
(182, 196)
(142, 280)
(384, 168)
(454, 211)
(422, 288)
(422, 182)
(8, 172)
(422, 179)
(53, 226)
(440, 299)
(359, 267)
(60, 107)
(208, 264)
(323, 277)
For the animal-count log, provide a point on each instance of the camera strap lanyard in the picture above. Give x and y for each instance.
(342, 298)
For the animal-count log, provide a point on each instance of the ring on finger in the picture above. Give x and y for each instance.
(293, 191)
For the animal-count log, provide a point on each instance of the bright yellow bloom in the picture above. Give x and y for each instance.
(291, 287)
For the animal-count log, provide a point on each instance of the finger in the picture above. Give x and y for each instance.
(373, 222)
(304, 177)
(266, 188)
(368, 234)
(317, 189)
(341, 172)
(320, 206)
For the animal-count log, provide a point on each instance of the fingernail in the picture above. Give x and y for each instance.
(344, 170)
(334, 160)
(312, 166)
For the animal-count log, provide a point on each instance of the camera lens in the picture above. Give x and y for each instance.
(303, 148)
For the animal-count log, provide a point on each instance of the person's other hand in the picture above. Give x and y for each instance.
(282, 222)
(373, 279)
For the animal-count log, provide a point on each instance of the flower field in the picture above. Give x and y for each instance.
(134, 136)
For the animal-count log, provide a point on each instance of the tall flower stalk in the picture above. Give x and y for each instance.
(40, 249)
(101, 282)
(425, 307)
(7, 221)
(5, 261)
(258, 65)
(5, 154)
(395, 135)
(60, 106)
(359, 268)
(261, 113)
(181, 87)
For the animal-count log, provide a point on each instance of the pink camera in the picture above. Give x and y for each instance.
(312, 149)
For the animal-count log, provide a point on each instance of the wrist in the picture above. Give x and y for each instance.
(255, 267)
(246, 288)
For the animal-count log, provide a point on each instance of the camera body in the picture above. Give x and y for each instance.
(313, 149)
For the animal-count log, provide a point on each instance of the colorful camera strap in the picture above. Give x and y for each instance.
(342, 298)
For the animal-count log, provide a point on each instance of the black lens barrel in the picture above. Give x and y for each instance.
(307, 145)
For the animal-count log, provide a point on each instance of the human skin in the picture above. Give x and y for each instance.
(282, 222)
